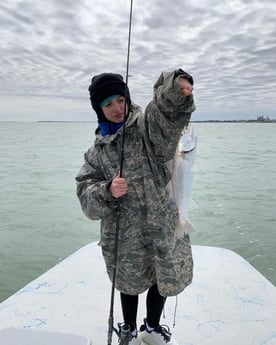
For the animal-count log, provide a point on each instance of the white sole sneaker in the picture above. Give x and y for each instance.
(135, 341)
(159, 336)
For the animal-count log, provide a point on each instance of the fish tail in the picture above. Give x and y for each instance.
(184, 227)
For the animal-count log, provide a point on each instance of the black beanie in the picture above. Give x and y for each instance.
(103, 86)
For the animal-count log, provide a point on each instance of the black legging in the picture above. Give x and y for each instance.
(155, 303)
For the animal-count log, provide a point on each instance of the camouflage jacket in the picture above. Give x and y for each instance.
(148, 251)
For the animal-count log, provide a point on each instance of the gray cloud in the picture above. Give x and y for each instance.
(50, 50)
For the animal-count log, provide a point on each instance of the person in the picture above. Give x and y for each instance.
(149, 257)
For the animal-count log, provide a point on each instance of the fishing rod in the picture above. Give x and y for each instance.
(127, 75)
(116, 240)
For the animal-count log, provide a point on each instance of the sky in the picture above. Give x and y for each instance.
(51, 49)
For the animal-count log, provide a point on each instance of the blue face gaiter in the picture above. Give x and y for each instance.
(109, 128)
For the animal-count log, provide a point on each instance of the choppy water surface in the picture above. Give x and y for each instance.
(41, 221)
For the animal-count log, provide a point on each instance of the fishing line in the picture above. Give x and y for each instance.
(116, 240)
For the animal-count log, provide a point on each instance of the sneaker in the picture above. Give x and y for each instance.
(126, 337)
(158, 336)
(135, 340)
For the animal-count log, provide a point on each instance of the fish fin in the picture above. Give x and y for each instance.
(184, 228)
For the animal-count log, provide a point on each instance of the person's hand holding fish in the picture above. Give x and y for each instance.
(185, 86)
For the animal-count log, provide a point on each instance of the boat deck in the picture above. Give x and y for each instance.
(228, 303)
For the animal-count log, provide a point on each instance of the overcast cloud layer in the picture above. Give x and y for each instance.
(51, 49)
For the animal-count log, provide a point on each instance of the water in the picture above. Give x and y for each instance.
(40, 217)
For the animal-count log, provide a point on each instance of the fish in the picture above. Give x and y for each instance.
(182, 177)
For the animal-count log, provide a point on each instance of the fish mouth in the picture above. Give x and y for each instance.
(188, 143)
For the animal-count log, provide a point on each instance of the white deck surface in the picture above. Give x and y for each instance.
(228, 303)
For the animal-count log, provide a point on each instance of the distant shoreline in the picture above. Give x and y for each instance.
(236, 121)
(192, 121)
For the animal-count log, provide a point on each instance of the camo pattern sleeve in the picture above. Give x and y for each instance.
(166, 116)
(93, 188)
